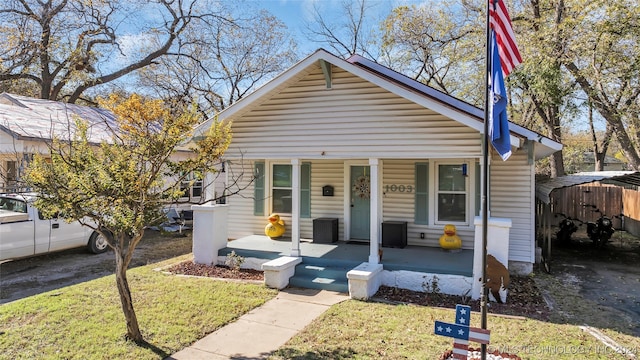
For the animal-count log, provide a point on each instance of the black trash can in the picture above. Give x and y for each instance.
(394, 234)
(325, 230)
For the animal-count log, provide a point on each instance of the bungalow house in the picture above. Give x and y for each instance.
(353, 141)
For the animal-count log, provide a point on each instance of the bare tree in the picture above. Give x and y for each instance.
(226, 60)
(66, 47)
(346, 31)
(438, 45)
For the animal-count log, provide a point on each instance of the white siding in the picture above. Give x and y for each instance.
(9, 145)
(400, 206)
(511, 196)
(353, 119)
(241, 221)
(325, 173)
(506, 199)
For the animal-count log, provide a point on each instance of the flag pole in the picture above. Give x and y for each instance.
(485, 181)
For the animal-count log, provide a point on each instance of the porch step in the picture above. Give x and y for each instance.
(321, 276)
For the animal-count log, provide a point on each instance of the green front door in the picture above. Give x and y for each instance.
(360, 208)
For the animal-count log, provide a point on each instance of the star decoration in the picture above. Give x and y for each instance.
(461, 331)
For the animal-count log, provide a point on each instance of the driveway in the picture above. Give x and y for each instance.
(34, 275)
(596, 287)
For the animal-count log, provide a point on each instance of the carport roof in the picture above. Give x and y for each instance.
(545, 187)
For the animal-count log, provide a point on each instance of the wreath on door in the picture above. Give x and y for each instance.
(361, 187)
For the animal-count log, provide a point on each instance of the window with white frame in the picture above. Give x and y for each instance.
(281, 188)
(451, 193)
(191, 186)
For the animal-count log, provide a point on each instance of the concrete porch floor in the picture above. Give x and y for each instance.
(411, 258)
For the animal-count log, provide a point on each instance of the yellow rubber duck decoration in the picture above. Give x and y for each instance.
(450, 241)
(275, 227)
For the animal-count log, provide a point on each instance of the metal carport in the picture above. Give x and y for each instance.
(544, 189)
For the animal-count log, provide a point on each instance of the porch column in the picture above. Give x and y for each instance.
(295, 207)
(209, 186)
(374, 226)
(210, 232)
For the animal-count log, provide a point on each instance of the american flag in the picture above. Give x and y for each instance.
(500, 22)
(505, 56)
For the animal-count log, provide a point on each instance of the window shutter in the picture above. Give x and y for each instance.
(305, 190)
(422, 194)
(258, 188)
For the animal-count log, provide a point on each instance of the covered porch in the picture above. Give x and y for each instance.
(411, 258)
(347, 266)
(343, 266)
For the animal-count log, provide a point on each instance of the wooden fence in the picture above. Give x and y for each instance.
(631, 204)
(580, 201)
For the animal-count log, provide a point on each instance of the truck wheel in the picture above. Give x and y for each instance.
(97, 243)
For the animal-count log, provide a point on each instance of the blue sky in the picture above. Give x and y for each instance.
(294, 13)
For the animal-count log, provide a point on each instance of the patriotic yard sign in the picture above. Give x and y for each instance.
(461, 332)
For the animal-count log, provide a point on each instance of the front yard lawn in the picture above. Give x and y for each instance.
(85, 321)
(366, 330)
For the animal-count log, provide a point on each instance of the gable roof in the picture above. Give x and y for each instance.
(26, 118)
(395, 83)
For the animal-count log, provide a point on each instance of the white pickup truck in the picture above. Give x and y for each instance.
(25, 232)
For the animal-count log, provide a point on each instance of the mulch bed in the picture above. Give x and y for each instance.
(523, 299)
(217, 271)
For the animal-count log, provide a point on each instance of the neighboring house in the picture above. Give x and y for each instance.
(28, 124)
(354, 140)
(587, 163)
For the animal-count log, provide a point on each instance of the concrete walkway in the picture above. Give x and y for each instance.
(264, 329)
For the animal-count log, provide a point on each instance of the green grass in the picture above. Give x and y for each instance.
(85, 321)
(364, 330)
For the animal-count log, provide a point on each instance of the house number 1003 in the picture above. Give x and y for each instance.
(398, 188)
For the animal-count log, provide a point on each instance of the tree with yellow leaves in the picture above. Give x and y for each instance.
(120, 187)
